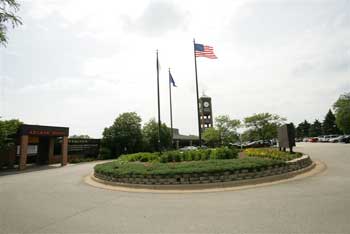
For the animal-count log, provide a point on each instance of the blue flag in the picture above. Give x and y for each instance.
(171, 80)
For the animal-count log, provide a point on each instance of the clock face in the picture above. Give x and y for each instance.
(206, 104)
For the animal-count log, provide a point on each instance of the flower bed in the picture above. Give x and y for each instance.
(119, 168)
(132, 169)
(271, 153)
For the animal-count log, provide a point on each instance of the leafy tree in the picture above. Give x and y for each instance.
(80, 136)
(249, 135)
(329, 125)
(8, 128)
(124, 136)
(316, 129)
(303, 129)
(227, 128)
(211, 137)
(8, 17)
(263, 125)
(342, 112)
(150, 136)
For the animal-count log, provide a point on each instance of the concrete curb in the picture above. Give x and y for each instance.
(315, 168)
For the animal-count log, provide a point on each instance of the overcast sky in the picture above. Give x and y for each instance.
(81, 63)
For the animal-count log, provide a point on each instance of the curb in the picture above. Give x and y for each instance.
(315, 168)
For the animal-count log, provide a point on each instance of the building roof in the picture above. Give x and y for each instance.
(178, 136)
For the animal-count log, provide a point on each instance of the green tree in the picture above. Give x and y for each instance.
(263, 125)
(211, 137)
(150, 136)
(342, 113)
(8, 17)
(8, 128)
(329, 125)
(124, 136)
(227, 128)
(303, 129)
(249, 135)
(316, 129)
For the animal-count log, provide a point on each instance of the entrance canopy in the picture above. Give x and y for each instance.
(44, 136)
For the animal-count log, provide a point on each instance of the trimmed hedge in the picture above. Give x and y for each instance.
(121, 168)
(271, 154)
(181, 156)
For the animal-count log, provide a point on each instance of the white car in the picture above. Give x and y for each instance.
(336, 139)
(186, 148)
(326, 138)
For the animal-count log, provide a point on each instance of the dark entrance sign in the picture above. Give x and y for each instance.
(286, 137)
(83, 147)
(38, 130)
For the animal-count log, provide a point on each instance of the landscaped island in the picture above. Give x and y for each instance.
(199, 166)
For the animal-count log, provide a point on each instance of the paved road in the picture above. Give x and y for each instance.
(58, 201)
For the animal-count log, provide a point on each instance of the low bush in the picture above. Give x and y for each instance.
(121, 168)
(180, 156)
(271, 154)
(140, 157)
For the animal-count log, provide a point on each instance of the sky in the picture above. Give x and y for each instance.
(81, 63)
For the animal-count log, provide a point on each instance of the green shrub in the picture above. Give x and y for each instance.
(180, 156)
(223, 153)
(119, 168)
(163, 158)
(140, 157)
(187, 156)
(105, 153)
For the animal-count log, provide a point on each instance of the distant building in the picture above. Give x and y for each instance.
(183, 140)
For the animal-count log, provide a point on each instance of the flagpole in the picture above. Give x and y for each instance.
(159, 123)
(171, 111)
(198, 116)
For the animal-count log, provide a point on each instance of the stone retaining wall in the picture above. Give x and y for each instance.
(206, 178)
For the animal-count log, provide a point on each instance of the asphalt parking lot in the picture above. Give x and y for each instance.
(58, 201)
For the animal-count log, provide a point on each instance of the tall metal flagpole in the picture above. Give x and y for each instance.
(159, 123)
(171, 111)
(195, 67)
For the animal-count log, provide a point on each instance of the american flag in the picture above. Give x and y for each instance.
(204, 51)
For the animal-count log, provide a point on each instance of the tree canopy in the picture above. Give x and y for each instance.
(329, 125)
(8, 18)
(264, 125)
(211, 137)
(7, 128)
(227, 128)
(124, 136)
(150, 136)
(303, 129)
(315, 129)
(342, 113)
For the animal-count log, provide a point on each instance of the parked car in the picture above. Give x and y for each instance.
(305, 139)
(187, 148)
(257, 144)
(345, 139)
(336, 139)
(313, 139)
(328, 137)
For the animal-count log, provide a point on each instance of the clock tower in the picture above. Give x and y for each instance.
(205, 112)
